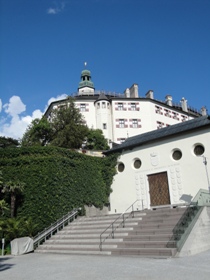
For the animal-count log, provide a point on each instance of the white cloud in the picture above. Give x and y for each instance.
(57, 9)
(15, 106)
(59, 97)
(13, 118)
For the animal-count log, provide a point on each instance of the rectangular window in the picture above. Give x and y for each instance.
(122, 140)
(120, 106)
(104, 126)
(158, 110)
(103, 105)
(133, 106)
(167, 113)
(175, 116)
(82, 107)
(159, 125)
(135, 123)
(121, 123)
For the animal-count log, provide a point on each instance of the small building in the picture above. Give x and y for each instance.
(162, 167)
(122, 115)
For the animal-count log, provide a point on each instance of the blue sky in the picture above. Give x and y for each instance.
(163, 45)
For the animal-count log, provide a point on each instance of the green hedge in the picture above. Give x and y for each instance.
(56, 180)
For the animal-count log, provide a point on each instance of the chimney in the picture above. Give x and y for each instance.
(127, 93)
(150, 94)
(134, 93)
(184, 104)
(168, 100)
(203, 111)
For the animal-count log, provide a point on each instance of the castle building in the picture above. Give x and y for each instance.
(125, 114)
(160, 168)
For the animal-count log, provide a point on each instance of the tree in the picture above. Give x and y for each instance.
(13, 188)
(96, 140)
(69, 130)
(7, 142)
(65, 128)
(38, 133)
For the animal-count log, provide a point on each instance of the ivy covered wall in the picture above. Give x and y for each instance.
(56, 180)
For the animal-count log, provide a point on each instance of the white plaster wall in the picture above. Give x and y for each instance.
(89, 115)
(103, 115)
(185, 176)
(199, 238)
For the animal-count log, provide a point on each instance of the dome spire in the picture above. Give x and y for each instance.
(85, 84)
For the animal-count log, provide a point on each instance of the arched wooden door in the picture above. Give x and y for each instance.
(158, 188)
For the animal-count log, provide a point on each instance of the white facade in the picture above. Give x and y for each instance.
(120, 116)
(185, 175)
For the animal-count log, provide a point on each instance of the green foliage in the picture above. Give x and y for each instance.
(56, 181)
(7, 142)
(4, 207)
(38, 133)
(13, 188)
(96, 140)
(65, 129)
(68, 126)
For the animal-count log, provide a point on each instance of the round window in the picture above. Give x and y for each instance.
(121, 167)
(177, 155)
(137, 163)
(199, 150)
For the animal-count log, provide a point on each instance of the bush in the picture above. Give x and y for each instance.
(56, 181)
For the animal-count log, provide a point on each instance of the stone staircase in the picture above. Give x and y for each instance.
(147, 234)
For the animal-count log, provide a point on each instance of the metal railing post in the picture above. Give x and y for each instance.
(132, 212)
(113, 230)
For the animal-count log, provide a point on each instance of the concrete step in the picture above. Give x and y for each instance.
(150, 231)
(93, 231)
(86, 236)
(146, 244)
(148, 237)
(106, 222)
(161, 252)
(97, 226)
(112, 217)
(58, 246)
(73, 252)
(95, 241)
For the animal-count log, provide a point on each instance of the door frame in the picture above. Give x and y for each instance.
(148, 189)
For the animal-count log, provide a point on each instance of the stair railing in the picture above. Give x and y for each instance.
(55, 227)
(116, 224)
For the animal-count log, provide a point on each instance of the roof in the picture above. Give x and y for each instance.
(156, 135)
(102, 96)
(115, 97)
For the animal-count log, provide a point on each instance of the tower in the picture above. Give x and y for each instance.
(86, 86)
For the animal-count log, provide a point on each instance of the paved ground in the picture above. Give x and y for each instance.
(36, 266)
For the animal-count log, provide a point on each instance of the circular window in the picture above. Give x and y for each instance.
(121, 167)
(177, 155)
(137, 163)
(199, 150)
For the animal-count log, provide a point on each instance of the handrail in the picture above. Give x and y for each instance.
(113, 229)
(55, 227)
